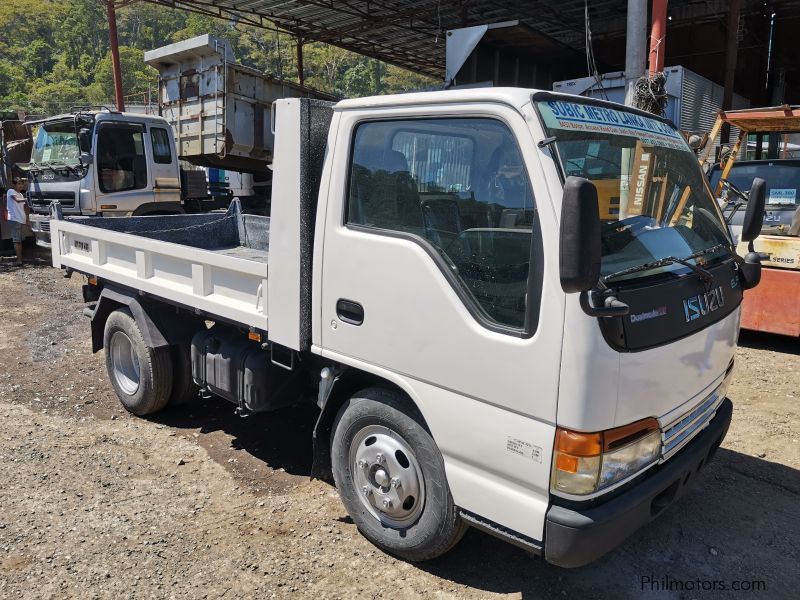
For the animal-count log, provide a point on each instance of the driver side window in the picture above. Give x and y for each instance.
(460, 185)
(121, 162)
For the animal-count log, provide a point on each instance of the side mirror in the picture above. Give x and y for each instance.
(754, 213)
(85, 140)
(579, 247)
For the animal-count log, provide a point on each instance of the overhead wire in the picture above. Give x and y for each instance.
(591, 63)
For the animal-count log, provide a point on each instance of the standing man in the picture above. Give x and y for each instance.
(17, 214)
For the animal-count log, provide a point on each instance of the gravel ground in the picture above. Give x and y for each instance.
(199, 503)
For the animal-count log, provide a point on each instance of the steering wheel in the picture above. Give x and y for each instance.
(730, 187)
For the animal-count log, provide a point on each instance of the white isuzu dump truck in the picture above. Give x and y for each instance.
(435, 275)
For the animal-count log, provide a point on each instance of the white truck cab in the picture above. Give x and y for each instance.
(102, 162)
(516, 310)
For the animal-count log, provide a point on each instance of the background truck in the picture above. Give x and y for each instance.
(106, 163)
(99, 162)
(483, 348)
(773, 307)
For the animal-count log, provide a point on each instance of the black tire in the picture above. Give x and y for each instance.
(438, 527)
(184, 389)
(152, 390)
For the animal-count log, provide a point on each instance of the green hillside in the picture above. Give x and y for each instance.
(54, 54)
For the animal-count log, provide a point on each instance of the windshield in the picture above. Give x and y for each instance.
(654, 199)
(782, 177)
(56, 143)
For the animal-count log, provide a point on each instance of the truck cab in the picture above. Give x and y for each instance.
(102, 163)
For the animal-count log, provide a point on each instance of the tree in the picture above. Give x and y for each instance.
(54, 97)
(82, 30)
(137, 77)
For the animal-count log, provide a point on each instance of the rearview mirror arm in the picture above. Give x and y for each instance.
(602, 303)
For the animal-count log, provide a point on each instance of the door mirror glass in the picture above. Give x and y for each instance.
(754, 214)
(85, 140)
(579, 261)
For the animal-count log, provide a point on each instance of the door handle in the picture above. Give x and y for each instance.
(350, 312)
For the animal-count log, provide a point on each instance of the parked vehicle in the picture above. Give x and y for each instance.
(99, 162)
(483, 349)
(104, 163)
(783, 192)
(775, 306)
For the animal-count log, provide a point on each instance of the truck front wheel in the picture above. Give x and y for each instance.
(141, 376)
(390, 475)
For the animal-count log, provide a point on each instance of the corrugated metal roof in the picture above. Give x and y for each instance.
(411, 34)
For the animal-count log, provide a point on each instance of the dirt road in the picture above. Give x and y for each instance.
(199, 503)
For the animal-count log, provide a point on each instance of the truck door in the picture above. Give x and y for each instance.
(123, 182)
(165, 173)
(435, 276)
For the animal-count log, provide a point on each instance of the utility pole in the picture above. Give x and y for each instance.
(731, 49)
(635, 51)
(658, 37)
(114, 43)
(635, 44)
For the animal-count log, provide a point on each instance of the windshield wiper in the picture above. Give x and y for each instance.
(64, 165)
(704, 274)
(45, 166)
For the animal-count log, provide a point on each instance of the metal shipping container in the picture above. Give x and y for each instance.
(692, 100)
(220, 110)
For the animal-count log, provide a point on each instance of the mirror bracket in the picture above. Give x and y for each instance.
(750, 269)
(602, 303)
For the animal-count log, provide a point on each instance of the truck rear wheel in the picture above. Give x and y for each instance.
(390, 475)
(141, 376)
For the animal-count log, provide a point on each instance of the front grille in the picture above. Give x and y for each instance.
(42, 200)
(678, 433)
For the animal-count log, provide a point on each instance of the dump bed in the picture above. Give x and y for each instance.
(216, 263)
(221, 111)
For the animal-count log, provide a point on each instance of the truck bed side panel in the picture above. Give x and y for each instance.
(218, 284)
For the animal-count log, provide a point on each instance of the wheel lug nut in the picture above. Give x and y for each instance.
(366, 490)
(379, 458)
(362, 464)
(395, 483)
(387, 503)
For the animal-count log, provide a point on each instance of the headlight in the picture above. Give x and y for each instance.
(585, 463)
(619, 464)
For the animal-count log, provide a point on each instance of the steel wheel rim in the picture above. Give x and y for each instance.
(125, 363)
(387, 476)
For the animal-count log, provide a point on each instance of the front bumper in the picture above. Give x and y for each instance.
(40, 225)
(575, 536)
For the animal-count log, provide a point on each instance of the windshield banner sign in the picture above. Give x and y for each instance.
(577, 116)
